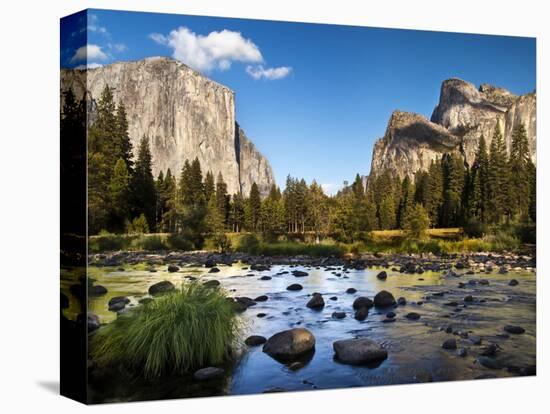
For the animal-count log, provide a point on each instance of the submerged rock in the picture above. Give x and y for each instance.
(514, 329)
(449, 344)
(412, 316)
(351, 290)
(489, 362)
(97, 290)
(299, 273)
(212, 283)
(513, 282)
(173, 268)
(290, 344)
(261, 298)
(358, 351)
(294, 287)
(382, 275)
(339, 315)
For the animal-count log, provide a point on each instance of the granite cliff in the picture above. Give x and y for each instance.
(464, 113)
(184, 115)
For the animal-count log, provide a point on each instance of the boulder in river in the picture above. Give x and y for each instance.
(351, 290)
(514, 329)
(261, 298)
(300, 273)
(290, 344)
(118, 303)
(513, 282)
(413, 316)
(97, 290)
(362, 302)
(294, 287)
(339, 315)
(316, 301)
(382, 275)
(214, 270)
(173, 268)
(209, 373)
(449, 344)
(359, 351)
(361, 314)
(209, 263)
(255, 340)
(265, 277)
(384, 299)
(212, 283)
(161, 287)
(401, 301)
(488, 362)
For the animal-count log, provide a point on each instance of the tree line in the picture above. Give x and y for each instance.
(123, 195)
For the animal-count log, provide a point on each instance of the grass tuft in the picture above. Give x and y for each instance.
(191, 328)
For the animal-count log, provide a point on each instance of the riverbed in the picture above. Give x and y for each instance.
(414, 347)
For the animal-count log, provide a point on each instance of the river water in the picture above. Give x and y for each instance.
(414, 346)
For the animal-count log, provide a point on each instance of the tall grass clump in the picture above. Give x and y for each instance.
(178, 332)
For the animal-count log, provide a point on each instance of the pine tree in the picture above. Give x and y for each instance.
(119, 191)
(122, 144)
(406, 201)
(520, 166)
(434, 192)
(318, 210)
(386, 213)
(254, 207)
(209, 185)
(498, 179)
(222, 198)
(143, 185)
(237, 215)
(453, 184)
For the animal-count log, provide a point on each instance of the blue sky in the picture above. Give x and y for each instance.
(313, 98)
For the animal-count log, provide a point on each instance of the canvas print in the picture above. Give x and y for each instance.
(257, 206)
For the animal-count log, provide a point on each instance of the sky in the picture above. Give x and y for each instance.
(313, 98)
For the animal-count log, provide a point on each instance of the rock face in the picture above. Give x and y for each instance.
(464, 114)
(184, 115)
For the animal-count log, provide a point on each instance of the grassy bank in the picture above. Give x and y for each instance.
(451, 240)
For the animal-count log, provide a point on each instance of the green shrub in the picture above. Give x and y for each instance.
(178, 242)
(149, 242)
(249, 243)
(138, 225)
(179, 332)
(475, 228)
(107, 241)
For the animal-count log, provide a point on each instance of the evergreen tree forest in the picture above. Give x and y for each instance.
(124, 197)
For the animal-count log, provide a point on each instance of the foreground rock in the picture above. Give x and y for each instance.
(118, 303)
(316, 302)
(290, 345)
(93, 322)
(209, 373)
(358, 351)
(384, 299)
(161, 287)
(255, 340)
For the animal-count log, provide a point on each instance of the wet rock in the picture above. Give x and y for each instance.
(483, 282)
(513, 282)
(333, 298)
(93, 322)
(359, 351)
(384, 299)
(265, 278)
(255, 340)
(338, 315)
(475, 340)
(362, 302)
(299, 273)
(412, 316)
(469, 298)
(261, 298)
(258, 267)
(361, 314)
(489, 350)
(214, 270)
(514, 329)
(503, 270)
(161, 287)
(209, 373)
(382, 275)
(449, 344)
(390, 315)
(248, 302)
(118, 303)
(173, 268)
(488, 362)
(449, 329)
(290, 344)
(97, 290)
(351, 290)
(316, 302)
(462, 352)
(261, 315)
(209, 263)
(388, 320)
(401, 301)
(212, 283)
(295, 287)
(452, 304)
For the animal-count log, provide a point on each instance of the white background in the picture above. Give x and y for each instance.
(29, 206)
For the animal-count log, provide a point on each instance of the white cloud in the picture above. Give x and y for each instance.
(93, 25)
(259, 72)
(92, 65)
(88, 52)
(217, 50)
(117, 47)
(331, 188)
